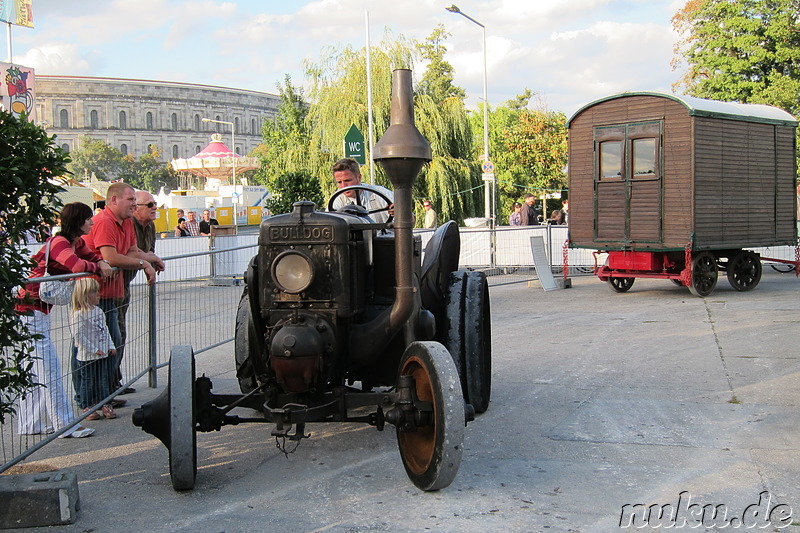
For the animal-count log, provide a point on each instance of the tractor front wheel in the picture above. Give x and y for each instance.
(431, 451)
(182, 418)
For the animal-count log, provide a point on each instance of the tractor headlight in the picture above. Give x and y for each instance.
(292, 272)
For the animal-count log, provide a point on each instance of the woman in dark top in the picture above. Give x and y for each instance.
(180, 229)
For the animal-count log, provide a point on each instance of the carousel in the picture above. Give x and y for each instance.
(216, 164)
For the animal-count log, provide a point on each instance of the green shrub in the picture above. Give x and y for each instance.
(28, 160)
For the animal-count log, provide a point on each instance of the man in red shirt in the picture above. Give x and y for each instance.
(114, 238)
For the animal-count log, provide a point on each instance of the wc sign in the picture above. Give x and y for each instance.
(354, 145)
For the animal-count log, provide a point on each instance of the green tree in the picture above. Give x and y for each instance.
(452, 180)
(98, 157)
(741, 50)
(147, 172)
(29, 160)
(529, 149)
(521, 101)
(437, 81)
(286, 138)
(292, 187)
(339, 99)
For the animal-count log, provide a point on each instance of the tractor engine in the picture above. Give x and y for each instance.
(313, 282)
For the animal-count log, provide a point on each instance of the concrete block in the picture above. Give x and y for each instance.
(32, 500)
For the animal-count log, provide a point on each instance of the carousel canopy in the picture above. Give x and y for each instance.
(216, 161)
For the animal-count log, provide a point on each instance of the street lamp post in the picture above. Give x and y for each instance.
(233, 171)
(487, 195)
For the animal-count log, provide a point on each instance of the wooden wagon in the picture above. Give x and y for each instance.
(679, 188)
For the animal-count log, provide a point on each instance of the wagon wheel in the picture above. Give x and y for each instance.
(245, 346)
(432, 454)
(469, 335)
(744, 271)
(182, 424)
(704, 274)
(620, 284)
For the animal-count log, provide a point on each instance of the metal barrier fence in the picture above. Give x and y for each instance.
(194, 302)
(196, 299)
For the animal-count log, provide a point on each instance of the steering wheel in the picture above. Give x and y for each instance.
(380, 195)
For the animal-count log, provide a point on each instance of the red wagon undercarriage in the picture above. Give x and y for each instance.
(695, 269)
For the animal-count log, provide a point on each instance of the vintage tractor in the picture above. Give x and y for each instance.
(341, 320)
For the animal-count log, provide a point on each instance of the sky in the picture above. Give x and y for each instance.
(568, 52)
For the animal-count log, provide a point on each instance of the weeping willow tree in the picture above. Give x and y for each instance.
(339, 100)
(452, 181)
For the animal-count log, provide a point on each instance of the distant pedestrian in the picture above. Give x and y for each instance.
(180, 229)
(205, 224)
(515, 216)
(556, 217)
(529, 216)
(192, 226)
(430, 216)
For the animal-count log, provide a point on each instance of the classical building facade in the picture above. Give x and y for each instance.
(135, 115)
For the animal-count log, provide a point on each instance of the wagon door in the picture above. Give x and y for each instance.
(628, 183)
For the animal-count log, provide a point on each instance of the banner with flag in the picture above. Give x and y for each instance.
(17, 90)
(17, 12)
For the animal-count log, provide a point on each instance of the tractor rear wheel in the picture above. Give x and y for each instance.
(431, 453)
(182, 418)
(468, 335)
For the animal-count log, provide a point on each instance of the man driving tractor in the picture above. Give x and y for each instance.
(346, 173)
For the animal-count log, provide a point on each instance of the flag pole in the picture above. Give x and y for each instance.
(371, 125)
(8, 41)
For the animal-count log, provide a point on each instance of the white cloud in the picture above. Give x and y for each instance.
(569, 51)
(56, 59)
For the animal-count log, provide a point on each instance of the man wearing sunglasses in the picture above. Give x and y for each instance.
(144, 215)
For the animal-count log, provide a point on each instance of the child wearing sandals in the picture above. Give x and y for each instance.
(90, 335)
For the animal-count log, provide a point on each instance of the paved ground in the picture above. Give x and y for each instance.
(600, 400)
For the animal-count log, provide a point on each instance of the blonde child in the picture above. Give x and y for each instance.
(90, 335)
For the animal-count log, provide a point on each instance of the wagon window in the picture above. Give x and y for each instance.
(644, 158)
(610, 159)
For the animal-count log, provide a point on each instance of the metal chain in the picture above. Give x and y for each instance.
(686, 275)
(280, 443)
